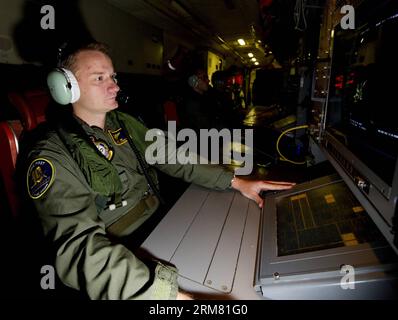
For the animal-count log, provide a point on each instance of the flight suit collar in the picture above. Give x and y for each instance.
(109, 125)
(86, 127)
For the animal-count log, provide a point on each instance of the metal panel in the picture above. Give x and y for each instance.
(166, 237)
(222, 269)
(204, 232)
(225, 252)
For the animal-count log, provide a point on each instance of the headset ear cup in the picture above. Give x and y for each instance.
(193, 81)
(74, 86)
(63, 86)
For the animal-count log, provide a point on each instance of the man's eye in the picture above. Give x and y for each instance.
(114, 78)
(99, 78)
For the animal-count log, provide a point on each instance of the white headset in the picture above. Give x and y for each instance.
(63, 86)
(193, 81)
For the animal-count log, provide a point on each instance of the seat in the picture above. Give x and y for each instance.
(10, 132)
(19, 229)
(170, 111)
(31, 106)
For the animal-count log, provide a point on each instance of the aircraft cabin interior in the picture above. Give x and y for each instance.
(303, 89)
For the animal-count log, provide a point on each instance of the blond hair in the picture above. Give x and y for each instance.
(69, 62)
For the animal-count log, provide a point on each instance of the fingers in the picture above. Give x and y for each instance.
(257, 199)
(254, 196)
(266, 185)
(280, 182)
(251, 189)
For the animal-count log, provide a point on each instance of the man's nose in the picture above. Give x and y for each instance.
(113, 87)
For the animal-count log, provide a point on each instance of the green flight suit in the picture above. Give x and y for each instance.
(85, 256)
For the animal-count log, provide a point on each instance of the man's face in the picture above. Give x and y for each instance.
(203, 84)
(96, 78)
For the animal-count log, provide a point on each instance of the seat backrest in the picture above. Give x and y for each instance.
(31, 106)
(10, 132)
(170, 111)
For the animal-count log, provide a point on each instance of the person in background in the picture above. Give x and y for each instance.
(196, 112)
(223, 106)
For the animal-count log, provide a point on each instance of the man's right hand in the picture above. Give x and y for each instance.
(184, 296)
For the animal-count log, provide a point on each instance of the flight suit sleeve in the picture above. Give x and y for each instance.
(206, 175)
(85, 258)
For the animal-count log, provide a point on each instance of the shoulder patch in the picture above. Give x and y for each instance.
(118, 136)
(39, 178)
(103, 147)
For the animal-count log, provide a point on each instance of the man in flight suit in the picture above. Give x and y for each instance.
(90, 184)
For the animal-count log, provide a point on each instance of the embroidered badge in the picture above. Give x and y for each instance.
(40, 176)
(101, 145)
(118, 136)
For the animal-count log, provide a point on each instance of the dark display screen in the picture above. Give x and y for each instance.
(364, 91)
(323, 218)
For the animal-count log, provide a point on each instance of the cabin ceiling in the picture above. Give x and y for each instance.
(267, 26)
(208, 23)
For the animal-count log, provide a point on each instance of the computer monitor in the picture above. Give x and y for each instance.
(311, 235)
(361, 134)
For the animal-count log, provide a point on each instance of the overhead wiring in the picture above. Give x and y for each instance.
(299, 15)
